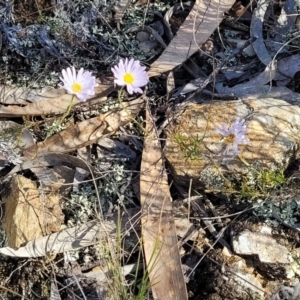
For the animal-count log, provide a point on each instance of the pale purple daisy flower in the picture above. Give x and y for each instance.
(82, 84)
(233, 135)
(131, 74)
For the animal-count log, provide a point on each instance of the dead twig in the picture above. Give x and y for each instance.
(202, 84)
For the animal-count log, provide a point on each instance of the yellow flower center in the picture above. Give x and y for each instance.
(76, 87)
(229, 139)
(128, 78)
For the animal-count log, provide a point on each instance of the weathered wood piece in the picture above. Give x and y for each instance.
(203, 19)
(158, 228)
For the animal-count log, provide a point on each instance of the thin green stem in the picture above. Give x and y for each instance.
(60, 121)
(125, 108)
(243, 160)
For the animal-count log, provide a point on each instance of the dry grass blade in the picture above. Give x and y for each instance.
(203, 19)
(158, 227)
(87, 132)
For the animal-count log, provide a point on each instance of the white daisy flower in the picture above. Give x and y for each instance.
(82, 84)
(233, 135)
(131, 74)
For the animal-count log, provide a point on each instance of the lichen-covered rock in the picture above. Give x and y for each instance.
(29, 213)
(195, 150)
(271, 258)
(243, 273)
(263, 245)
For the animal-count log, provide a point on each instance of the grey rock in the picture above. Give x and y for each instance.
(261, 244)
(195, 150)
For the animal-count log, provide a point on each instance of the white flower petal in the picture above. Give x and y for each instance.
(235, 148)
(130, 89)
(238, 130)
(119, 82)
(140, 82)
(132, 67)
(83, 78)
(138, 90)
(220, 131)
(80, 76)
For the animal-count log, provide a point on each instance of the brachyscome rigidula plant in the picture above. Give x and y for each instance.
(131, 74)
(81, 84)
(233, 135)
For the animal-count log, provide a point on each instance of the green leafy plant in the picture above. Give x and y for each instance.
(258, 183)
(288, 210)
(190, 146)
(269, 179)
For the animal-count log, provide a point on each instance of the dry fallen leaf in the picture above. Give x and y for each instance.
(85, 235)
(23, 96)
(75, 237)
(239, 10)
(62, 168)
(199, 25)
(254, 85)
(286, 69)
(87, 132)
(99, 274)
(256, 30)
(158, 227)
(50, 160)
(49, 102)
